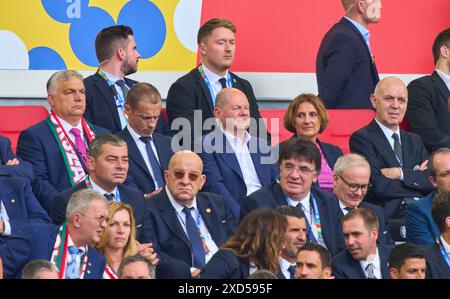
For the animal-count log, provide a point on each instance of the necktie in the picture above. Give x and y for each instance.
(109, 196)
(157, 172)
(197, 248)
(348, 209)
(72, 271)
(79, 144)
(291, 271)
(397, 148)
(369, 270)
(124, 88)
(223, 82)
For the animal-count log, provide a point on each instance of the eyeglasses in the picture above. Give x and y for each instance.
(302, 169)
(179, 174)
(355, 187)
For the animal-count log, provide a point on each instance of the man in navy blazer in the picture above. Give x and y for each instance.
(363, 259)
(428, 111)
(10, 165)
(345, 65)
(300, 162)
(106, 89)
(420, 226)
(86, 220)
(51, 145)
(397, 158)
(235, 162)
(143, 108)
(179, 214)
(18, 207)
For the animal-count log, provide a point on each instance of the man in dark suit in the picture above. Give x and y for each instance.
(236, 163)
(363, 257)
(85, 222)
(420, 226)
(345, 65)
(190, 226)
(107, 89)
(313, 262)
(429, 98)
(149, 152)
(351, 181)
(300, 162)
(57, 146)
(438, 253)
(407, 261)
(397, 158)
(197, 90)
(10, 165)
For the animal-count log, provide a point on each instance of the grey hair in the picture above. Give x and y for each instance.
(134, 259)
(32, 268)
(80, 201)
(64, 74)
(349, 160)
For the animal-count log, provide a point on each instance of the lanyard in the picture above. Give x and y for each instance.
(211, 90)
(89, 186)
(120, 101)
(443, 252)
(202, 237)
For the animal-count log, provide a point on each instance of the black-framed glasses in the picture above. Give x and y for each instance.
(355, 187)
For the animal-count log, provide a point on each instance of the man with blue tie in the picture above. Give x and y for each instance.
(149, 152)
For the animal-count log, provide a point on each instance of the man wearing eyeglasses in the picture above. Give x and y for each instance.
(351, 181)
(300, 163)
(189, 225)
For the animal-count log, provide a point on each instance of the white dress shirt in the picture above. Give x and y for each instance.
(284, 266)
(444, 77)
(376, 263)
(214, 80)
(101, 190)
(343, 208)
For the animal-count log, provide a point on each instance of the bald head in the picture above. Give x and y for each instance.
(185, 155)
(388, 83)
(226, 94)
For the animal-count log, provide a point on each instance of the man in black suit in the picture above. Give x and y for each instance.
(313, 262)
(429, 98)
(407, 261)
(300, 164)
(438, 254)
(197, 90)
(351, 181)
(345, 65)
(107, 89)
(363, 257)
(149, 152)
(397, 158)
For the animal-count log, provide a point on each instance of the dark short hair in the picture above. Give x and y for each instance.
(207, 28)
(95, 148)
(134, 259)
(368, 216)
(443, 39)
(109, 39)
(402, 252)
(291, 211)
(296, 148)
(32, 268)
(440, 209)
(325, 256)
(430, 166)
(143, 92)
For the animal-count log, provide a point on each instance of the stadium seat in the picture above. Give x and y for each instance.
(274, 119)
(14, 119)
(164, 114)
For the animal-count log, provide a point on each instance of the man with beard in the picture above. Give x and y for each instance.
(107, 89)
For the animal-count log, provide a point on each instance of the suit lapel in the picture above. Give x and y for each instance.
(107, 94)
(134, 153)
(209, 216)
(256, 159)
(229, 158)
(383, 145)
(384, 262)
(163, 156)
(443, 90)
(206, 92)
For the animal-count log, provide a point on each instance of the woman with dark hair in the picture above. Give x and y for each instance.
(256, 245)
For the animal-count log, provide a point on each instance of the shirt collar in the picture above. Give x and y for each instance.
(444, 77)
(70, 243)
(304, 201)
(100, 189)
(446, 245)
(67, 127)
(233, 140)
(388, 132)
(134, 135)
(284, 265)
(178, 207)
(110, 77)
(212, 77)
(363, 30)
(375, 261)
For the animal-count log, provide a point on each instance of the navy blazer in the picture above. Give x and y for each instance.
(437, 267)
(131, 196)
(371, 142)
(224, 174)
(138, 174)
(38, 244)
(20, 204)
(346, 267)
(190, 93)
(24, 169)
(171, 238)
(427, 112)
(272, 196)
(101, 109)
(225, 265)
(38, 146)
(346, 73)
(420, 226)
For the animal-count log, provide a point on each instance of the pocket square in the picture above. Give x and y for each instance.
(138, 225)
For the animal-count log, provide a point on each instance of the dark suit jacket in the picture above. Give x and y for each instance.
(272, 197)
(24, 169)
(190, 93)
(225, 265)
(171, 238)
(224, 175)
(138, 173)
(20, 204)
(437, 267)
(427, 111)
(346, 74)
(420, 226)
(370, 142)
(39, 243)
(346, 267)
(131, 196)
(101, 109)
